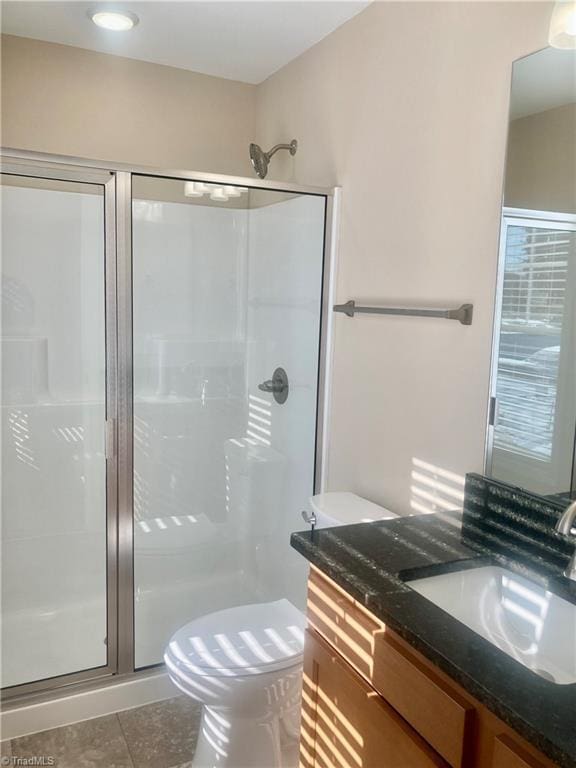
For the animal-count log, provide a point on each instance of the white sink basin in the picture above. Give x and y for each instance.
(533, 626)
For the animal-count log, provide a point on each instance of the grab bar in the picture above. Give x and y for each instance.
(463, 314)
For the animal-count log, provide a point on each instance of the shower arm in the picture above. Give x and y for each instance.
(291, 147)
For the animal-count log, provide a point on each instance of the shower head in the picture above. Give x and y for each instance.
(260, 159)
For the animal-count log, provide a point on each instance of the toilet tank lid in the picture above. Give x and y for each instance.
(345, 507)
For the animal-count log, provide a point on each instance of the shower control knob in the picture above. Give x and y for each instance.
(268, 386)
(278, 385)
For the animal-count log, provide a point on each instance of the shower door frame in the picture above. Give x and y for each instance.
(119, 388)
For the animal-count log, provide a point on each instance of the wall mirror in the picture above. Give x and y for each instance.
(532, 421)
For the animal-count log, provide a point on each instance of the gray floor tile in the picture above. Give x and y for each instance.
(97, 743)
(182, 765)
(163, 734)
(5, 748)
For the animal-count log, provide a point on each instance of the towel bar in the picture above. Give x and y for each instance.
(463, 313)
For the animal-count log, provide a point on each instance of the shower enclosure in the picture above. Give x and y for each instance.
(150, 472)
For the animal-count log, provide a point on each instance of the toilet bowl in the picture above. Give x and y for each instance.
(244, 665)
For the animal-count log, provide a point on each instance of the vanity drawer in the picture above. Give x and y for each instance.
(347, 626)
(439, 713)
(433, 707)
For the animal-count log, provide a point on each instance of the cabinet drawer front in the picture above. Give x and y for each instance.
(438, 712)
(347, 626)
(507, 754)
(353, 727)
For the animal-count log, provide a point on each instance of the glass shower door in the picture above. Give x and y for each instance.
(54, 403)
(227, 287)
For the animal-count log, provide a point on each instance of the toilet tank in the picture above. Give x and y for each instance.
(345, 508)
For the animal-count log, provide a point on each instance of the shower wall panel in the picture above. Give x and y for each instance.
(189, 398)
(283, 329)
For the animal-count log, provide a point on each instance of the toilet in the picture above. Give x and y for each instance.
(244, 665)
(344, 508)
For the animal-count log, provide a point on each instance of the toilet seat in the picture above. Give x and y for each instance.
(243, 641)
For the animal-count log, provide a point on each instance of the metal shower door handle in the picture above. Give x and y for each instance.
(278, 385)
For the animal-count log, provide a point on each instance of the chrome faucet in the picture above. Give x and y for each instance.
(565, 525)
(310, 518)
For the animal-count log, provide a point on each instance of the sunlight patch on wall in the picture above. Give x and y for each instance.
(434, 489)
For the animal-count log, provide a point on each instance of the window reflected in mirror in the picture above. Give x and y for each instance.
(533, 407)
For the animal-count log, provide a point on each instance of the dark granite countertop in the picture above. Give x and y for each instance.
(373, 562)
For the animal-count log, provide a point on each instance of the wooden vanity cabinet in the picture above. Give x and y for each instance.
(371, 701)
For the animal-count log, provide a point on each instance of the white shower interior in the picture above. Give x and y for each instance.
(223, 293)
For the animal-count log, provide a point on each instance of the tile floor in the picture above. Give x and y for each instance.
(160, 735)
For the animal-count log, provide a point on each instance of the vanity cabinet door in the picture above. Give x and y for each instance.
(345, 723)
(431, 705)
(508, 754)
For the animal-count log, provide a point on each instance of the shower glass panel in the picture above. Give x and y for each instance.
(53, 425)
(227, 287)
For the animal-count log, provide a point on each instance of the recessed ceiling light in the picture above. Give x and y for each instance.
(117, 21)
(562, 32)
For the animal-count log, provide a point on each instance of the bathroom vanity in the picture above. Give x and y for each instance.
(393, 680)
(370, 699)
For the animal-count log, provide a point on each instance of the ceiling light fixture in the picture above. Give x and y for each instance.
(232, 191)
(219, 194)
(116, 21)
(194, 189)
(562, 32)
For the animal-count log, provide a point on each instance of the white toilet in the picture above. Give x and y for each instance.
(244, 665)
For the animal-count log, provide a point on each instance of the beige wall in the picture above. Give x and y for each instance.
(65, 100)
(406, 106)
(541, 162)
